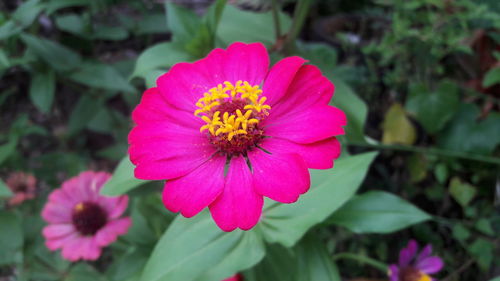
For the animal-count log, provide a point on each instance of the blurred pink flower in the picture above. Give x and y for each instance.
(81, 221)
(413, 266)
(226, 131)
(23, 187)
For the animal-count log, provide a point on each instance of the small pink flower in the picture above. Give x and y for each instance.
(22, 185)
(414, 266)
(81, 221)
(226, 131)
(236, 277)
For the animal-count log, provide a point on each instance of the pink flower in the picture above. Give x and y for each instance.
(413, 266)
(22, 185)
(81, 221)
(226, 131)
(236, 277)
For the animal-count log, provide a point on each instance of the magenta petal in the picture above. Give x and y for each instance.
(308, 88)
(426, 252)
(88, 249)
(59, 242)
(71, 249)
(317, 155)
(394, 273)
(60, 196)
(408, 253)
(193, 192)
(309, 125)
(57, 230)
(430, 265)
(54, 213)
(238, 205)
(163, 152)
(246, 62)
(279, 78)
(115, 206)
(111, 231)
(281, 177)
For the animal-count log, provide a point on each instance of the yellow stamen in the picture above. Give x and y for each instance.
(424, 277)
(231, 124)
(79, 207)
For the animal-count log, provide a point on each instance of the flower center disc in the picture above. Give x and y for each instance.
(233, 113)
(412, 274)
(88, 217)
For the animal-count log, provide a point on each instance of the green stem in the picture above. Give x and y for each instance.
(436, 151)
(362, 259)
(276, 19)
(299, 17)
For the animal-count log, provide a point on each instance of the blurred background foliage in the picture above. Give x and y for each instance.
(418, 79)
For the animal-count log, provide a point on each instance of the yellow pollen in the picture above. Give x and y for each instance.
(79, 207)
(235, 122)
(424, 277)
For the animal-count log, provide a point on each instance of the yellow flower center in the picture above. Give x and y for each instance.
(424, 277)
(232, 113)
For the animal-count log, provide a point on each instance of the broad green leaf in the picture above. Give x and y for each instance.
(354, 108)
(377, 212)
(103, 76)
(492, 77)
(320, 55)
(84, 272)
(195, 247)
(42, 90)
(482, 250)
(161, 55)
(314, 262)
(460, 232)
(83, 113)
(151, 23)
(8, 148)
(123, 179)
(496, 279)
(462, 192)
(73, 24)
(128, 264)
(105, 32)
(433, 109)
(21, 18)
(397, 127)
(466, 133)
(279, 264)
(246, 26)
(182, 22)
(485, 227)
(287, 223)
(53, 53)
(4, 190)
(54, 5)
(11, 237)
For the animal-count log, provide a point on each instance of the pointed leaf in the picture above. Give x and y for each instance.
(123, 179)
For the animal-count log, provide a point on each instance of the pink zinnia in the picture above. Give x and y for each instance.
(23, 187)
(226, 131)
(81, 221)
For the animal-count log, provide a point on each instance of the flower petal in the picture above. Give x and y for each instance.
(238, 205)
(185, 83)
(89, 250)
(57, 243)
(430, 265)
(167, 152)
(426, 252)
(111, 231)
(71, 249)
(279, 78)
(317, 155)
(54, 231)
(309, 87)
(55, 213)
(281, 177)
(115, 206)
(309, 125)
(394, 272)
(408, 253)
(191, 193)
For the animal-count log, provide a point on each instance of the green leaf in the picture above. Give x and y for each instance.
(279, 264)
(433, 109)
(123, 179)
(42, 90)
(11, 237)
(354, 108)
(7, 149)
(196, 247)
(377, 212)
(103, 76)
(4, 190)
(287, 223)
(162, 55)
(54, 5)
(397, 127)
(482, 250)
(128, 264)
(83, 113)
(462, 192)
(492, 77)
(73, 24)
(53, 53)
(460, 232)
(485, 227)
(468, 134)
(314, 262)
(496, 279)
(246, 26)
(84, 272)
(21, 18)
(182, 22)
